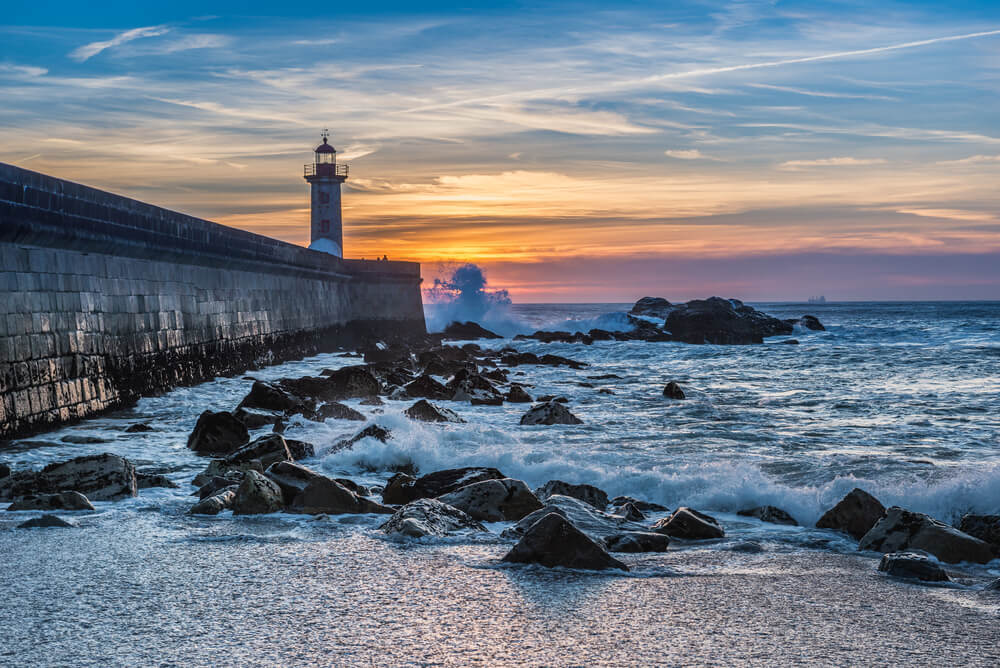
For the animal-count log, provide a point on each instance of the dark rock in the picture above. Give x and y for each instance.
(257, 495)
(4, 471)
(496, 375)
(104, 477)
(855, 514)
(45, 522)
(912, 566)
(425, 411)
(220, 468)
(746, 546)
(373, 401)
(271, 397)
(550, 412)
(583, 516)
(589, 494)
(901, 530)
(984, 527)
(552, 541)
(637, 541)
(605, 390)
(812, 322)
(605, 376)
(338, 411)
(690, 524)
(428, 388)
(468, 386)
(630, 512)
(360, 490)
(255, 418)
(516, 359)
(300, 449)
(769, 514)
(644, 506)
(517, 394)
(351, 382)
(323, 495)
(494, 500)
(429, 517)
(266, 449)
(82, 439)
(790, 342)
(292, 478)
(57, 501)
(600, 335)
(371, 431)
(655, 307)
(673, 391)
(403, 488)
(217, 434)
(465, 331)
(216, 484)
(222, 499)
(151, 480)
(721, 321)
(137, 428)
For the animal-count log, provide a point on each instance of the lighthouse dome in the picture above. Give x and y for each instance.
(325, 148)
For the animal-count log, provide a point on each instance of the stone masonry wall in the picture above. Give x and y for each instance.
(104, 299)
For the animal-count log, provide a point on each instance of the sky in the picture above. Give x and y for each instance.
(578, 152)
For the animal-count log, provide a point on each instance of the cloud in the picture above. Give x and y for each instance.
(688, 154)
(88, 51)
(22, 70)
(832, 162)
(815, 93)
(971, 160)
(951, 214)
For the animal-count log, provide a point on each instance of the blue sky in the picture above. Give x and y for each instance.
(579, 151)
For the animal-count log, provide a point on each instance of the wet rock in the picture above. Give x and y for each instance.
(323, 495)
(585, 517)
(496, 375)
(769, 514)
(630, 512)
(217, 484)
(4, 471)
(220, 468)
(426, 387)
(913, 566)
(255, 418)
(151, 480)
(690, 524)
(472, 387)
(654, 307)
(429, 517)
(137, 428)
(300, 449)
(644, 506)
(338, 411)
(721, 321)
(360, 490)
(271, 397)
(589, 494)
(673, 391)
(352, 382)
(518, 395)
(467, 331)
(217, 434)
(790, 342)
(222, 499)
(371, 431)
(637, 541)
(553, 541)
(45, 522)
(373, 401)
(902, 530)
(257, 495)
(58, 501)
(104, 477)
(403, 488)
(266, 449)
(425, 411)
(517, 359)
(855, 514)
(811, 322)
(984, 527)
(292, 478)
(501, 500)
(747, 547)
(83, 439)
(551, 412)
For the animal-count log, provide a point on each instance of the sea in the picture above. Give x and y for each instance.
(899, 399)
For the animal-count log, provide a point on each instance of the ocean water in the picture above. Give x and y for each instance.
(900, 399)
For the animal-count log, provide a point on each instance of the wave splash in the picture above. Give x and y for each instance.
(465, 295)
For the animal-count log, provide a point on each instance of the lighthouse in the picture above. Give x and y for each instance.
(325, 176)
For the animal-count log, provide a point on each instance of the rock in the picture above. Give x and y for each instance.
(137, 428)
(494, 500)
(644, 506)
(551, 412)
(267, 449)
(468, 331)
(769, 514)
(403, 488)
(516, 359)
(257, 495)
(372, 401)
(790, 342)
(630, 512)
(223, 499)
(217, 434)
(993, 586)
(589, 494)
(637, 541)
(104, 477)
(300, 449)
(45, 521)
(496, 375)
(58, 501)
(255, 418)
(517, 394)
(271, 397)
(323, 495)
(83, 439)
(901, 530)
(552, 541)
(429, 517)
(220, 468)
(292, 478)
(721, 321)
(689, 524)
(912, 566)
(4, 471)
(469, 386)
(746, 546)
(984, 527)
(371, 431)
(428, 388)
(360, 490)
(585, 517)
(150, 480)
(855, 514)
(352, 382)
(673, 391)
(655, 307)
(217, 484)
(425, 411)
(339, 411)
(812, 322)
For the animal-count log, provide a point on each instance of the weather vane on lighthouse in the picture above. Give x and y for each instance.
(325, 177)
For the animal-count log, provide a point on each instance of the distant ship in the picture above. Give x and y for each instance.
(817, 300)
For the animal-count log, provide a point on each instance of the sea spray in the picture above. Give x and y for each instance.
(464, 295)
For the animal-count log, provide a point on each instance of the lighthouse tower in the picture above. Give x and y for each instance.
(325, 177)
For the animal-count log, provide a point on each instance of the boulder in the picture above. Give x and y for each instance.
(292, 478)
(220, 468)
(630, 512)
(769, 514)
(257, 495)
(223, 499)
(45, 522)
(323, 495)
(585, 517)
(494, 500)
(4, 470)
(984, 527)
(270, 397)
(338, 411)
(594, 496)
(553, 541)
(137, 428)
(371, 431)
(654, 307)
(469, 386)
(104, 477)
(637, 541)
(58, 501)
(516, 359)
(429, 517)
(902, 530)
(403, 488)
(426, 387)
(255, 418)
(360, 490)
(468, 331)
(644, 506)
(151, 480)
(855, 514)
(913, 566)
(425, 411)
(300, 449)
(550, 412)
(267, 449)
(689, 524)
(673, 391)
(372, 401)
(217, 484)
(721, 321)
(812, 322)
(352, 382)
(217, 434)
(517, 395)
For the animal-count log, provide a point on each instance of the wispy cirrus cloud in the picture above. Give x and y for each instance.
(971, 160)
(88, 51)
(845, 161)
(827, 94)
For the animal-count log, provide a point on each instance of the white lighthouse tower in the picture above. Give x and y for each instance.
(325, 177)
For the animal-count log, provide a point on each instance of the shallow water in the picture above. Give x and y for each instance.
(897, 398)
